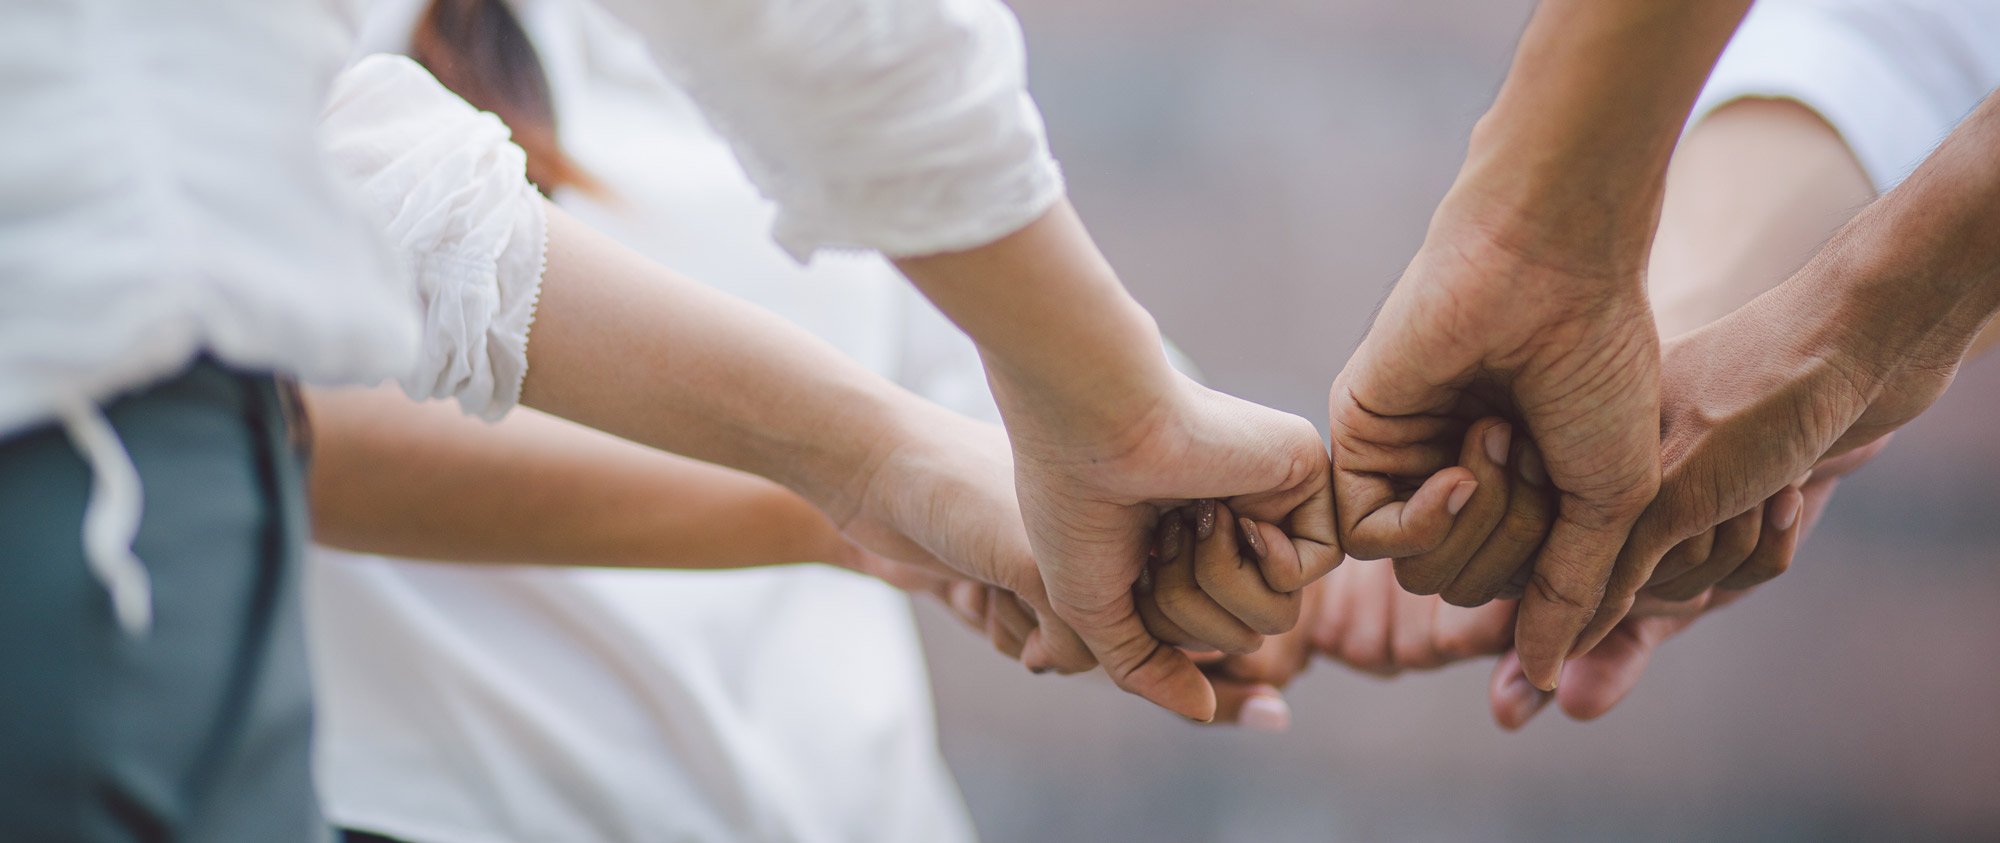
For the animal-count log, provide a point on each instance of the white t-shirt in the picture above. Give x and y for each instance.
(466, 706)
(1892, 76)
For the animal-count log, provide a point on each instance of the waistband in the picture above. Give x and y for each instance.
(117, 496)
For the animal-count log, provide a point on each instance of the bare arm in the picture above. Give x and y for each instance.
(425, 481)
(1527, 297)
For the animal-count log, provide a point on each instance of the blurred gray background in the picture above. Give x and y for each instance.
(1260, 173)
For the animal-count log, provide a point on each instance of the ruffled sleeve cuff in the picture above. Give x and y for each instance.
(450, 190)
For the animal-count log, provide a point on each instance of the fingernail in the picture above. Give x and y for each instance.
(1459, 495)
(1785, 512)
(1204, 520)
(1555, 678)
(1145, 581)
(1266, 714)
(1172, 538)
(1523, 701)
(1532, 470)
(1497, 441)
(1253, 538)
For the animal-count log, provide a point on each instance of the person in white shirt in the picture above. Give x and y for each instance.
(459, 705)
(166, 206)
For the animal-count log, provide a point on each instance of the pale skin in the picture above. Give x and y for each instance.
(1106, 436)
(627, 347)
(423, 480)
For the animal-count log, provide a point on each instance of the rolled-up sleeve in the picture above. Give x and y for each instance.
(450, 190)
(1892, 76)
(901, 126)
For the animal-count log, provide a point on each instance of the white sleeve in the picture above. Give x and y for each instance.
(450, 190)
(901, 126)
(1892, 76)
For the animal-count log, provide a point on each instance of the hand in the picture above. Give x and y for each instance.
(1093, 501)
(989, 610)
(939, 514)
(1196, 589)
(1204, 559)
(1751, 403)
(1369, 623)
(1475, 328)
(1595, 682)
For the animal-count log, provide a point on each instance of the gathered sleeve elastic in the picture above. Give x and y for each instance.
(450, 189)
(901, 126)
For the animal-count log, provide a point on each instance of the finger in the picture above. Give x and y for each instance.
(1003, 639)
(1484, 454)
(1137, 662)
(1012, 619)
(1157, 622)
(1234, 582)
(1365, 637)
(1053, 646)
(1461, 633)
(1779, 540)
(1734, 540)
(1328, 620)
(1303, 551)
(1567, 588)
(1598, 680)
(1412, 631)
(1501, 566)
(1181, 599)
(1514, 700)
(967, 600)
(1684, 557)
(1383, 526)
(1255, 706)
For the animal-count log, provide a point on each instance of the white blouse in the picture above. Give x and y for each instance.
(1892, 76)
(596, 706)
(162, 194)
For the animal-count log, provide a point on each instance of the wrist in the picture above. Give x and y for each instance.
(1105, 384)
(1546, 213)
(1892, 309)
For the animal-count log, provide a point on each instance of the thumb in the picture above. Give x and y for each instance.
(1138, 663)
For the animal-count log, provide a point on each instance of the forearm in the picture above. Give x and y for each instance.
(1053, 323)
(1571, 158)
(425, 481)
(1916, 277)
(624, 346)
(1754, 190)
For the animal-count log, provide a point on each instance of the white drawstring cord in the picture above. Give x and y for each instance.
(111, 519)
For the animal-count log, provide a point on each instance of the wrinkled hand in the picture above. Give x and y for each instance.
(1750, 404)
(1595, 682)
(1093, 502)
(1569, 354)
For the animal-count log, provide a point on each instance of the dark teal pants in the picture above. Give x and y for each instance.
(198, 731)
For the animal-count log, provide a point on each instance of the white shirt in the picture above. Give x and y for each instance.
(1892, 76)
(460, 705)
(162, 194)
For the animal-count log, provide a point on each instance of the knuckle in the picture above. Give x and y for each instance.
(1582, 597)
(1418, 576)
(1417, 654)
(1468, 596)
